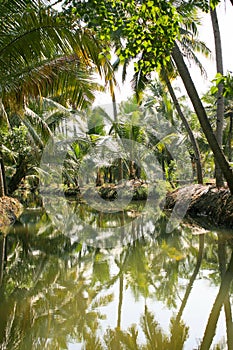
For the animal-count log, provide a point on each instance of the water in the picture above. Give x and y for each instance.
(144, 289)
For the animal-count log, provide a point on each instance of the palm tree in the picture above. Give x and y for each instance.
(42, 54)
(188, 129)
(202, 116)
(136, 47)
(190, 44)
(197, 104)
(220, 98)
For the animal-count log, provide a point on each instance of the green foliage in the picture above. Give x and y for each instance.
(204, 5)
(227, 81)
(43, 53)
(15, 142)
(214, 3)
(139, 29)
(101, 269)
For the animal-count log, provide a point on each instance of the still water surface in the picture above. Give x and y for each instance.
(154, 290)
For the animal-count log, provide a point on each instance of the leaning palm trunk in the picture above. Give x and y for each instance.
(220, 98)
(188, 129)
(217, 306)
(202, 116)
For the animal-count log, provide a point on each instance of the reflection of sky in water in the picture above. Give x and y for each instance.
(195, 314)
(169, 260)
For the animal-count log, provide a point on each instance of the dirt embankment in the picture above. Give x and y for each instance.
(213, 205)
(10, 209)
(206, 203)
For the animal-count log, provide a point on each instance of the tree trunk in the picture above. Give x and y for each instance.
(121, 281)
(220, 98)
(192, 279)
(188, 129)
(227, 302)
(230, 138)
(99, 180)
(2, 191)
(21, 172)
(202, 116)
(4, 177)
(131, 170)
(215, 312)
(120, 163)
(2, 256)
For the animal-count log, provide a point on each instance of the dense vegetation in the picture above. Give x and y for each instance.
(61, 259)
(51, 57)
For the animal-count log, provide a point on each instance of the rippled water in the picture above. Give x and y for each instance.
(144, 288)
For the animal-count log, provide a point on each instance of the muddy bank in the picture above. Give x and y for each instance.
(10, 209)
(134, 189)
(206, 203)
(213, 206)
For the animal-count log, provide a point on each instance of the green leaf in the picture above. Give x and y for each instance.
(213, 90)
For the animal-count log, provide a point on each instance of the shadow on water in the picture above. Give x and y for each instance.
(58, 292)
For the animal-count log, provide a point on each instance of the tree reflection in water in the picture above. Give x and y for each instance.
(57, 290)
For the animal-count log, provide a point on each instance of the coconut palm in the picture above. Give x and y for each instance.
(220, 98)
(202, 116)
(190, 44)
(43, 54)
(132, 50)
(198, 107)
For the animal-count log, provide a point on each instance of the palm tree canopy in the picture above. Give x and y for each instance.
(44, 53)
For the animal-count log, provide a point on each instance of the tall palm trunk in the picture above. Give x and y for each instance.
(2, 189)
(2, 256)
(230, 138)
(120, 163)
(4, 176)
(4, 124)
(202, 116)
(187, 127)
(220, 98)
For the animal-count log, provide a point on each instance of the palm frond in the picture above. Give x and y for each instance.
(138, 83)
(38, 129)
(43, 53)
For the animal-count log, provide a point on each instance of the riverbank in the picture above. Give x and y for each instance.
(205, 203)
(10, 209)
(211, 205)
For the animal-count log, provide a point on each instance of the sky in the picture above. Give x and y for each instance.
(225, 18)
